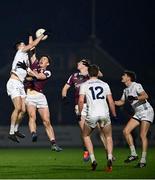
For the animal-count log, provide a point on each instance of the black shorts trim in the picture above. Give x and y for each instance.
(142, 120)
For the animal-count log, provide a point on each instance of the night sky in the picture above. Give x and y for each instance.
(124, 27)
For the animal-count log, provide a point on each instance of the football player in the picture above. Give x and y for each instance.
(143, 115)
(98, 100)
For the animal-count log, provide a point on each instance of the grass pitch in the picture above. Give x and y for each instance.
(68, 164)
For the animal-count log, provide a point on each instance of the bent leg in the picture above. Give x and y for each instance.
(17, 109)
(107, 131)
(102, 136)
(88, 143)
(86, 137)
(31, 109)
(131, 125)
(86, 156)
(20, 117)
(145, 125)
(17, 102)
(45, 116)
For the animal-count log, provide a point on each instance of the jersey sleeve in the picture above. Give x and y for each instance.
(139, 88)
(107, 90)
(47, 74)
(70, 80)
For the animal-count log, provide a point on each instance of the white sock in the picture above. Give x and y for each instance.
(11, 129)
(16, 127)
(92, 157)
(143, 158)
(109, 156)
(133, 150)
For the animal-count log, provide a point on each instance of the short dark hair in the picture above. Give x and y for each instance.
(85, 62)
(47, 56)
(131, 74)
(17, 44)
(93, 70)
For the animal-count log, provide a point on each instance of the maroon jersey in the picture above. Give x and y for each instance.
(37, 84)
(76, 80)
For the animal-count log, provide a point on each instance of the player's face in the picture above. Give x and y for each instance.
(21, 45)
(125, 78)
(43, 63)
(80, 65)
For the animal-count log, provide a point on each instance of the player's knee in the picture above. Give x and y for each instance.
(84, 134)
(18, 109)
(125, 132)
(143, 136)
(46, 122)
(32, 117)
(109, 139)
(23, 112)
(24, 109)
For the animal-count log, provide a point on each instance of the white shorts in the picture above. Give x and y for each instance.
(15, 88)
(38, 100)
(101, 120)
(84, 110)
(145, 115)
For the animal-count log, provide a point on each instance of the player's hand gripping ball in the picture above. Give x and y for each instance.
(40, 32)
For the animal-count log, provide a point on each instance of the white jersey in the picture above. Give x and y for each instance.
(96, 92)
(134, 90)
(20, 57)
(143, 109)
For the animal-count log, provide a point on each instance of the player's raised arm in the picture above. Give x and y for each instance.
(32, 52)
(33, 43)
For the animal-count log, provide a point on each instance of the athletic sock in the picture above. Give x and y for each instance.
(143, 158)
(133, 150)
(92, 157)
(109, 156)
(12, 129)
(16, 127)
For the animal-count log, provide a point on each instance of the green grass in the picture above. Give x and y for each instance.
(68, 164)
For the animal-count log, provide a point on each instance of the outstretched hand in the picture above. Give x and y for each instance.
(47, 33)
(22, 65)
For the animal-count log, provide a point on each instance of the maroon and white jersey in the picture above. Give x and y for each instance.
(37, 84)
(76, 80)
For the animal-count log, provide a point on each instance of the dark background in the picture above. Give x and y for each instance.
(125, 29)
